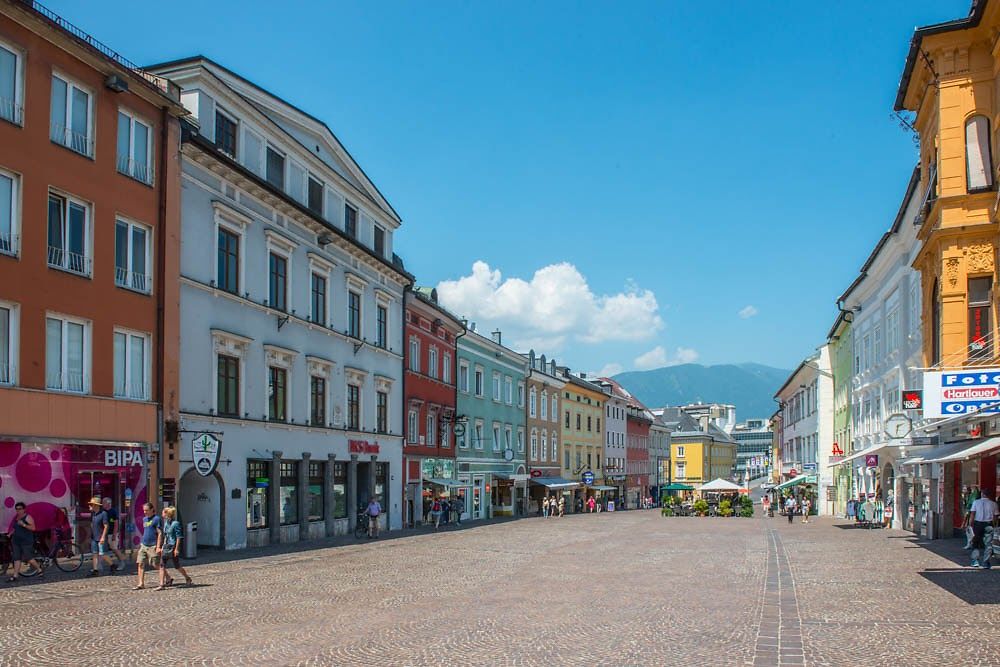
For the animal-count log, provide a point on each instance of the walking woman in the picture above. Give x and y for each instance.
(22, 541)
(171, 550)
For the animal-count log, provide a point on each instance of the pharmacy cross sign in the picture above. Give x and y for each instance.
(205, 450)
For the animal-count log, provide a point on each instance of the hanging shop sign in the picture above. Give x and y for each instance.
(913, 399)
(871, 460)
(205, 450)
(950, 393)
(588, 477)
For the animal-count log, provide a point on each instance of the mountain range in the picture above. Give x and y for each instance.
(750, 387)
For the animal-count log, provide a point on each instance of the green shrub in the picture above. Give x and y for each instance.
(666, 510)
(700, 507)
(725, 508)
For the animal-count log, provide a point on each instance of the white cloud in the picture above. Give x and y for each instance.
(609, 370)
(556, 304)
(747, 312)
(655, 358)
(684, 355)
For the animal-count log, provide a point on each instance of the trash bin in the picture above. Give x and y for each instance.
(191, 540)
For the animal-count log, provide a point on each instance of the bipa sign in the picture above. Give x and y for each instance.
(950, 393)
(122, 458)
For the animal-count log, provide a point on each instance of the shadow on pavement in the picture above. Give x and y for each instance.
(973, 586)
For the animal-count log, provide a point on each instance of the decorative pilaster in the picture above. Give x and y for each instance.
(273, 500)
(303, 499)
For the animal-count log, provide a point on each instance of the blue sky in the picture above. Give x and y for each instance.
(672, 164)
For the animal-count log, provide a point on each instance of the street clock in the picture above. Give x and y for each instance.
(898, 426)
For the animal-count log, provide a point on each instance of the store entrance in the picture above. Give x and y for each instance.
(95, 483)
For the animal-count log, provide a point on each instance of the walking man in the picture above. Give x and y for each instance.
(150, 543)
(790, 508)
(372, 512)
(984, 520)
(22, 540)
(806, 504)
(113, 531)
(99, 528)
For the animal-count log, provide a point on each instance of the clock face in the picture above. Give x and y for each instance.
(508, 454)
(898, 426)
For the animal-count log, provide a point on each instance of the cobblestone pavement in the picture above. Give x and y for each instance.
(629, 588)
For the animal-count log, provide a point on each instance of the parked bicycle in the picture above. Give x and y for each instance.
(64, 554)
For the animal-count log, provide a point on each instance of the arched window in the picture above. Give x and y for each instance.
(532, 402)
(978, 161)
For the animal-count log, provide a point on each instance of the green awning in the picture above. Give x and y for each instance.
(676, 487)
(801, 479)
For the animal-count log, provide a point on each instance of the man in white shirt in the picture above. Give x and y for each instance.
(984, 518)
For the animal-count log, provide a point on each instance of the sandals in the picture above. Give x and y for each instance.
(138, 588)
(160, 588)
(188, 581)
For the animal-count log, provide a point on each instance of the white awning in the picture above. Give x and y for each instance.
(969, 451)
(857, 455)
(931, 455)
(719, 485)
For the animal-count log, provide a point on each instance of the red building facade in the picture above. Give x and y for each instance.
(429, 401)
(637, 464)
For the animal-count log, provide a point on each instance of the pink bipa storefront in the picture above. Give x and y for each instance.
(47, 476)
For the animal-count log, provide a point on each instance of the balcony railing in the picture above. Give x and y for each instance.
(139, 171)
(8, 244)
(139, 282)
(69, 261)
(75, 141)
(11, 111)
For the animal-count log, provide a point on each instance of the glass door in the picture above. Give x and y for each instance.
(92, 483)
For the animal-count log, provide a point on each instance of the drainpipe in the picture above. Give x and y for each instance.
(405, 472)
(161, 246)
(464, 331)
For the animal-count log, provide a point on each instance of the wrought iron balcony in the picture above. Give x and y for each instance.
(75, 141)
(69, 261)
(139, 171)
(133, 280)
(11, 111)
(8, 244)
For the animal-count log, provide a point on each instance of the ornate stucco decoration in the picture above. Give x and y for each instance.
(979, 258)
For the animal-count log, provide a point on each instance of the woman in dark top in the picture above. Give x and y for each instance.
(22, 541)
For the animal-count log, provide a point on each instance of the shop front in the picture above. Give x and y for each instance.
(542, 488)
(618, 482)
(438, 481)
(53, 476)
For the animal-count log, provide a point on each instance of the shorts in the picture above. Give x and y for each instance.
(147, 556)
(22, 552)
(99, 548)
(168, 556)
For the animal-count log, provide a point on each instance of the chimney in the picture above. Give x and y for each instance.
(472, 327)
(497, 337)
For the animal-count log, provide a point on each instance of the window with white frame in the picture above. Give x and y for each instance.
(462, 438)
(532, 396)
(446, 368)
(544, 405)
(463, 376)
(67, 354)
(10, 212)
(534, 444)
(230, 233)
(508, 438)
(71, 116)
(520, 394)
(8, 342)
(415, 354)
(135, 147)
(226, 132)
(680, 451)
(413, 427)
(555, 447)
(978, 161)
(230, 352)
(382, 325)
(280, 362)
(279, 287)
(353, 314)
(133, 249)
(314, 195)
(508, 390)
(69, 234)
(445, 433)
(477, 439)
(555, 408)
(11, 84)
(545, 446)
(496, 386)
(892, 331)
(274, 167)
(431, 429)
(496, 437)
(131, 365)
(432, 362)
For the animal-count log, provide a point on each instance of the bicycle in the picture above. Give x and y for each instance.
(361, 525)
(67, 556)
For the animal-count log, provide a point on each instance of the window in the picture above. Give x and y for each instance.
(228, 386)
(354, 314)
(288, 491)
(892, 331)
(413, 427)
(67, 343)
(496, 387)
(431, 430)
(131, 362)
(318, 313)
(315, 494)
(432, 362)
(680, 451)
(275, 168)
(478, 438)
(978, 161)
(11, 85)
(681, 470)
(980, 325)
(445, 433)
(578, 418)
(317, 401)
(534, 445)
(132, 253)
(567, 419)
(277, 293)
(479, 382)
(225, 134)
(508, 390)
(297, 182)
(415, 355)
(353, 407)
(135, 148)
(277, 394)
(555, 407)
(463, 376)
(8, 348)
(508, 439)
(566, 459)
(496, 438)
(462, 441)
(228, 272)
(339, 490)
(531, 402)
(544, 405)
(598, 429)
(379, 241)
(69, 231)
(555, 447)
(258, 481)
(545, 447)
(520, 394)
(350, 221)
(71, 116)
(381, 326)
(381, 412)
(10, 192)
(877, 333)
(446, 368)
(314, 196)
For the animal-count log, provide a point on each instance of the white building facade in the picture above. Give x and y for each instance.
(291, 320)
(615, 438)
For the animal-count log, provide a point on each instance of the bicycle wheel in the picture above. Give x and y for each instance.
(69, 557)
(28, 572)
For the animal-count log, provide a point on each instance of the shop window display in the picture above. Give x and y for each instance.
(314, 500)
(339, 490)
(258, 482)
(289, 492)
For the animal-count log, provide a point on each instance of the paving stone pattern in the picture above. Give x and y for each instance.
(628, 588)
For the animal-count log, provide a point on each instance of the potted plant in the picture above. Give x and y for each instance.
(700, 507)
(725, 507)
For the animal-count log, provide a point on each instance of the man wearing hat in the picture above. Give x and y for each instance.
(99, 527)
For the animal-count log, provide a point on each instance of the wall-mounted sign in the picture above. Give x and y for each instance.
(205, 450)
(122, 458)
(913, 399)
(362, 447)
(871, 460)
(950, 393)
(588, 477)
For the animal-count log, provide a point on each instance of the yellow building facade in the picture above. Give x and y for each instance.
(582, 431)
(700, 458)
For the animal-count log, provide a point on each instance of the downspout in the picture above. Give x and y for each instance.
(404, 471)
(464, 331)
(161, 246)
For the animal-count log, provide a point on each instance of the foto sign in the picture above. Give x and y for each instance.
(205, 449)
(950, 393)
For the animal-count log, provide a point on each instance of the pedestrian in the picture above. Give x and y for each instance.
(562, 506)
(113, 531)
(445, 509)
(590, 504)
(790, 508)
(806, 505)
(984, 520)
(372, 512)
(544, 505)
(61, 532)
(149, 544)
(99, 530)
(436, 512)
(22, 541)
(170, 548)
(765, 504)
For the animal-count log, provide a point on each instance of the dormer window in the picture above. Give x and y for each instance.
(979, 164)
(275, 168)
(351, 221)
(314, 197)
(225, 133)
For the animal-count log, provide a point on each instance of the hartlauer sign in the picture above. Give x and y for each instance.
(950, 393)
